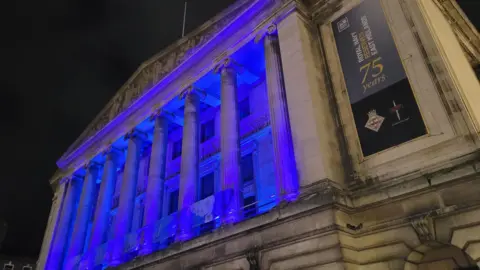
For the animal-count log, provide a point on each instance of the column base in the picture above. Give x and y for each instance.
(231, 217)
(116, 253)
(115, 263)
(145, 251)
(183, 236)
(291, 197)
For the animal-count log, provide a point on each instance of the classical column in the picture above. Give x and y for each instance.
(189, 170)
(284, 158)
(124, 217)
(104, 200)
(52, 223)
(156, 179)
(230, 142)
(77, 242)
(65, 222)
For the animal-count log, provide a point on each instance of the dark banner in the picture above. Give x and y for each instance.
(384, 107)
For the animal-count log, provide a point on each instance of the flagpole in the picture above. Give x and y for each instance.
(184, 18)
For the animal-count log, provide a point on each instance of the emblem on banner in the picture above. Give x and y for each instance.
(374, 121)
(396, 110)
(343, 24)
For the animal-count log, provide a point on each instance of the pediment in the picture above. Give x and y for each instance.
(156, 69)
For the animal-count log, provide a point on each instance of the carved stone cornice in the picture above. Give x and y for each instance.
(465, 31)
(323, 9)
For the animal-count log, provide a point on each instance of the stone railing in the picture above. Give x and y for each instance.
(161, 234)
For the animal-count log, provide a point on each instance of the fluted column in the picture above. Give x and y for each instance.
(124, 217)
(52, 225)
(67, 217)
(189, 171)
(156, 179)
(230, 142)
(104, 201)
(284, 158)
(77, 243)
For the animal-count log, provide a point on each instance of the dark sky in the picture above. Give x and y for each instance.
(61, 61)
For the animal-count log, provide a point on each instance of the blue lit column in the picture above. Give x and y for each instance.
(65, 222)
(77, 243)
(104, 202)
(52, 225)
(285, 166)
(156, 178)
(230, 142)
(189, 170)
(124, 218)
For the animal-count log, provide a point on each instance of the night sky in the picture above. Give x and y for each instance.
(61, 62)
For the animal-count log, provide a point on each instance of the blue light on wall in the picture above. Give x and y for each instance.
(250, 78)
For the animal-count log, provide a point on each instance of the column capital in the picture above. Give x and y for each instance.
(77, 176)
(134, 134)
(229, 63)
(111, 150)
(161, 113)
(193, 90)
(92, 165)
(271, 30)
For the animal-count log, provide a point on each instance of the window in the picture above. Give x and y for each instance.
(207, 185)
(207, 130)
(173, 202)
(177, 149)
(244, 108)
(247, 171)
(248, 178)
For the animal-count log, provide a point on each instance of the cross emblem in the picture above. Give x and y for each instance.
(396, 110)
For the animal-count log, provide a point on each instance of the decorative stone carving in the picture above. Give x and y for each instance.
(152, 72)
(253, 261)
(423, 226)
(465, 31)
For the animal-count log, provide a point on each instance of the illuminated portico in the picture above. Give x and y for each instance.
(238, 145)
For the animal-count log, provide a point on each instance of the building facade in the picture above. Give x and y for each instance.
(285, 134)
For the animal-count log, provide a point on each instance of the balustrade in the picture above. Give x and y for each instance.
(159, 235)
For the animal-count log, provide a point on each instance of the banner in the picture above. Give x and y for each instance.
(383, 104)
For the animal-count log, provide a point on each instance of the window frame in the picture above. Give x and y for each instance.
(241, 114)
(210, 124)
(175, 144)
(201, 182)
(169, 205)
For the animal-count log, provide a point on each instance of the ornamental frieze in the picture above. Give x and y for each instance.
(151, 73)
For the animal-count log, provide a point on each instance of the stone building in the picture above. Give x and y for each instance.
(285, 134)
